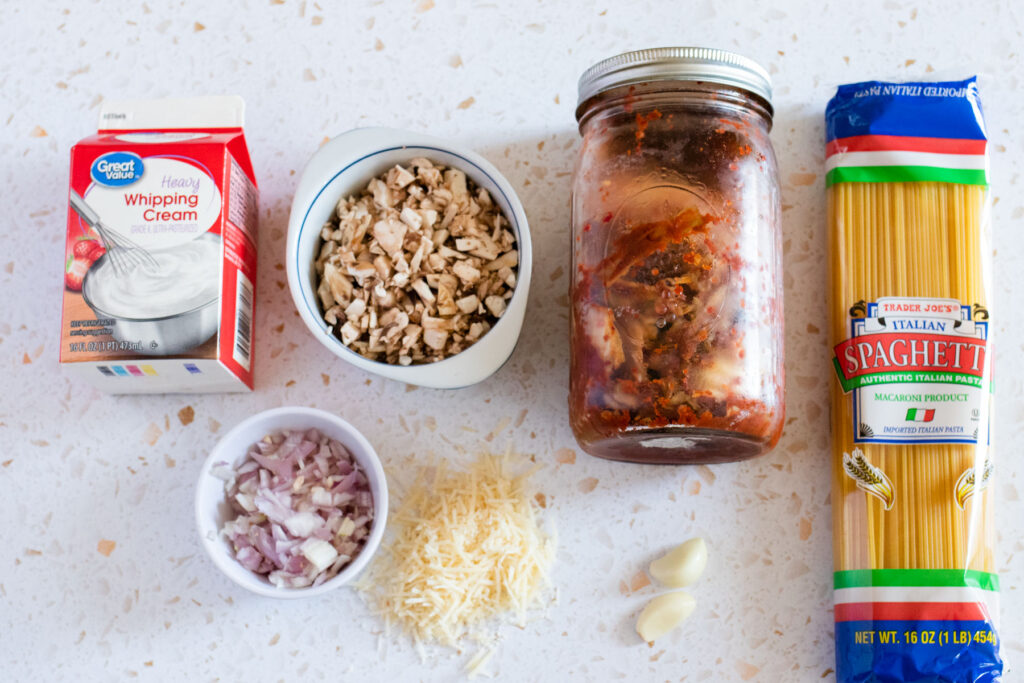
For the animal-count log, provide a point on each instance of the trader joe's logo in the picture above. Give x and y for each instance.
(918, 370)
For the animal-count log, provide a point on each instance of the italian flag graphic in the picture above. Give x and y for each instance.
(916, 594)
(920, 414)
(900, 158)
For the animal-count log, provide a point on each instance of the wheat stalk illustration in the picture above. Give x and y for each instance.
(869, 478)
(967, 486)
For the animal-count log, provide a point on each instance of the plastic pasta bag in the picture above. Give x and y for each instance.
(916, 596)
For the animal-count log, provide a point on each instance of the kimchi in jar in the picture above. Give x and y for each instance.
(676, 328)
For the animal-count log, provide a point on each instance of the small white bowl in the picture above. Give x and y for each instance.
(343, 167)
(212, 509)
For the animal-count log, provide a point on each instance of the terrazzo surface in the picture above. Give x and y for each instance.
(101, 573)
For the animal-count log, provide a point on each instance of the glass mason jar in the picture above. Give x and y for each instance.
(676, 330)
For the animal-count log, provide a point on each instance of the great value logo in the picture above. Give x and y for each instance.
(117, 169)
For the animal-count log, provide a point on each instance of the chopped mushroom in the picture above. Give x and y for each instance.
(417, 267)
(389, 234)
(468, 304)
(466, 272)
(495, 304)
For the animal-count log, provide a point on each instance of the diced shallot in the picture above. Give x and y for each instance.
(303, 508)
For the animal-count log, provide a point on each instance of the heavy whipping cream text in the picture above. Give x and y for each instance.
(175, 206)
(172, 201)
(181, 278)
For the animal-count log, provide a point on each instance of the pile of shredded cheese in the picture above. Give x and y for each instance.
(466, 549)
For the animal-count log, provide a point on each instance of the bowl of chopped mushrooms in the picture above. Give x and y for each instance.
(409, 257)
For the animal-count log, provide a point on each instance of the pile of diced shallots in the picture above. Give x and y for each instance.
(304, 508)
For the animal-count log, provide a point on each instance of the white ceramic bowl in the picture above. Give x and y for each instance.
(343, 167)
(212, 508)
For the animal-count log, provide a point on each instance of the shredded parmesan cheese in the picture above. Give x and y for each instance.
(476, 665)
(466, 549)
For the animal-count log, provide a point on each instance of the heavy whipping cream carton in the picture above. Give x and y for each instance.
(160, 259)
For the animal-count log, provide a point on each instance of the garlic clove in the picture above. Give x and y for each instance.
(682, 565)
(664, 613)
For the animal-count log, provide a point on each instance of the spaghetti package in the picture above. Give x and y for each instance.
(916, 596)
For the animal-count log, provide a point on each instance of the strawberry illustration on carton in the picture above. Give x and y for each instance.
(161, 249)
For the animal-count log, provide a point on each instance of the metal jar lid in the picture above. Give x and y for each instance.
(676, 64)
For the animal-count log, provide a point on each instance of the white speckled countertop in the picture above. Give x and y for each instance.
(78, 467)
